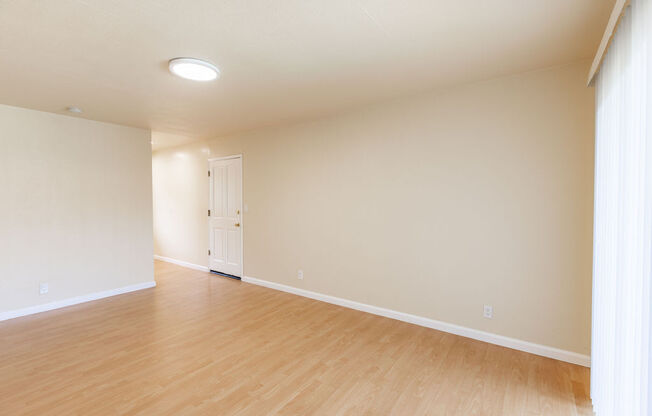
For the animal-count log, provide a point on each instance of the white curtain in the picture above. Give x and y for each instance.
(620, 353)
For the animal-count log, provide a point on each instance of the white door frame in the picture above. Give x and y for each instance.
(238, 156)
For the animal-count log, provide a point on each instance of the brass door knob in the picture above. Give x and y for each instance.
(237, 224)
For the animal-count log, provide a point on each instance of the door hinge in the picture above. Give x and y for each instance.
(209, 212)
(209, 173)
(209, 252)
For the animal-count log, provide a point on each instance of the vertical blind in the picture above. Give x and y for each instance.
(620, 353)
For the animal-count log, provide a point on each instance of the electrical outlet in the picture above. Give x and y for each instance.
(488, 311)
(43, 288)
(300, 275)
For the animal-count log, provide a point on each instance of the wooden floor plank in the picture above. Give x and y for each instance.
(200, 344)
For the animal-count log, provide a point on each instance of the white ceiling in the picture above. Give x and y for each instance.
(162, 139)
(280, 60)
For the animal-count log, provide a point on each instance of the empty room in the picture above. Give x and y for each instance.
(326, 207)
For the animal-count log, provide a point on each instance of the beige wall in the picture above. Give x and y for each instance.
(76, 207)
(432, 205)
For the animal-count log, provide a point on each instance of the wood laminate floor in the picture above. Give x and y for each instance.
(199, 344)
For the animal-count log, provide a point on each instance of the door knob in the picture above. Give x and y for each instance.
(237, 224)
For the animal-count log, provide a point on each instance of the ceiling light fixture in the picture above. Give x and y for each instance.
(194, 69)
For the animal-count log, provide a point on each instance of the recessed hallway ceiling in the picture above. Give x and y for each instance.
(279, 60)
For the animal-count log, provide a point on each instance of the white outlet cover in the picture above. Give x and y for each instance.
(300, 275)
(43, 288)
(488, 311)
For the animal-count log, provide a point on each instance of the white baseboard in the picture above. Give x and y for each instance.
(181, 263)
(73, 301)
(517, 344)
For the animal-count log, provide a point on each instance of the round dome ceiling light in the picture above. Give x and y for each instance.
(193, 69)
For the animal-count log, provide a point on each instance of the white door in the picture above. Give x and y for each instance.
(225, 216)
